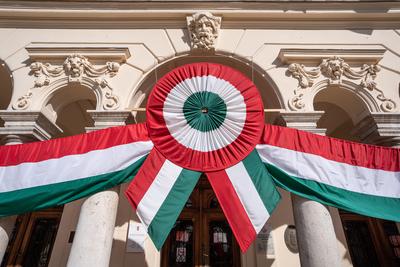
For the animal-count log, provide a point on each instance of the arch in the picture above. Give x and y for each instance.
(269, 92)
(6, 85)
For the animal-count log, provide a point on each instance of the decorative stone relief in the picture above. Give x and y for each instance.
(335, 69)
(111, 101)
(75, 67)
(204, 29)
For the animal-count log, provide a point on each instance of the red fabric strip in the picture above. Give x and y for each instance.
(233, 208)
(72, 145)
(145, 177)
(363, 155)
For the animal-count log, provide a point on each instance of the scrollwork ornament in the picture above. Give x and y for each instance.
(297, 103)
(23, 102)
(388, 105)
(305, 77)
(111, 101)
(43, 73)
(370, 72)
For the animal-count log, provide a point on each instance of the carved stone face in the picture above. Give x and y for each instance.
(74, 66)
(204, 30)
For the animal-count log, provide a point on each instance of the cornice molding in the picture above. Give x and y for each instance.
(51, 52)
(368, 55)
(161, 14)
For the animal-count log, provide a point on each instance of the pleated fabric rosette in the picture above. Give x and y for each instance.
(204, 117)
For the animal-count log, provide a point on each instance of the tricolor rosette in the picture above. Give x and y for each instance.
(205, 116)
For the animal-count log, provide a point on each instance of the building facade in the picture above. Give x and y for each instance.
(69, 67)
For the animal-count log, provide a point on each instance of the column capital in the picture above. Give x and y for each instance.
(306, 121)
(28, 124)
(108, 118)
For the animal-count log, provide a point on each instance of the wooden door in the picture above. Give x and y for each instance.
(372, 242)
(201, 236)
(33, 238)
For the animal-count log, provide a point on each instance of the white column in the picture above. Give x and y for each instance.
(314, 227)
(94, 233)
(315, 233)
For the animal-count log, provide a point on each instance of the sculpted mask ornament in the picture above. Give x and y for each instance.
(204, 28)
(74, 65)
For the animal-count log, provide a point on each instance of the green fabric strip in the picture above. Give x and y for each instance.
(374, 206)
(41, 197)
(263, 181)
(172, 206)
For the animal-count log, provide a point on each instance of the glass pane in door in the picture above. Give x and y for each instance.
(360, 244)
(41, 242)
(220, 236)
(181, 250)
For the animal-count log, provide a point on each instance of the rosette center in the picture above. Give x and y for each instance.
(204, 111)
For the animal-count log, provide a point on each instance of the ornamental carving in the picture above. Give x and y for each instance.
(204, 29)
(335, 69)
(75, 67)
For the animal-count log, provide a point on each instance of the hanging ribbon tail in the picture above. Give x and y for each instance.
(158, 193)
(247, 195)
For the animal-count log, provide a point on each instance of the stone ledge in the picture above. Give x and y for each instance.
(50, 52)
(28, 123)
(368, 55)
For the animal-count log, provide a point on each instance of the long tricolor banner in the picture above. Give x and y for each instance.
(360, 178)
(51, 173)
(356, 177)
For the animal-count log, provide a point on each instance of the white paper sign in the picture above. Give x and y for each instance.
(136, 237)
(265, 242)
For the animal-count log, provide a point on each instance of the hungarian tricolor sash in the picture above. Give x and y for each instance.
(202, 118)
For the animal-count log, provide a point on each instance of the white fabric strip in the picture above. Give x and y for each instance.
(72, 167)
(205, 141)
(158, 192)
(248, 195)
(342, 175)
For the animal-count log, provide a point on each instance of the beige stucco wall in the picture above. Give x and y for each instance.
(255, 47)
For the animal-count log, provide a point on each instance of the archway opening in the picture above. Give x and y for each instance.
(68, 108)
(344, 113)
